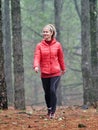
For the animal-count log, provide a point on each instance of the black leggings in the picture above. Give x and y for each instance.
(50, 86)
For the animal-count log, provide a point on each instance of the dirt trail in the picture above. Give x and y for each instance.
(67, 118)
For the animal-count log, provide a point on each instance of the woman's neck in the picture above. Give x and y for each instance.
(48, 41)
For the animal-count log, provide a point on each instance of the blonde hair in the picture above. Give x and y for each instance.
(52, 28)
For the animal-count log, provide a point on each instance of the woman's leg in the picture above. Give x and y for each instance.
(46, 87)
(53, 88)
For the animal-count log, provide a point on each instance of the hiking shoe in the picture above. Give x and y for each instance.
(49, 111)
(52, 115)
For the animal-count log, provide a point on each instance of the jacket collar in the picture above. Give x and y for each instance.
(52, 42)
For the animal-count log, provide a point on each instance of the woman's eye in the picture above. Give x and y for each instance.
(45, 32)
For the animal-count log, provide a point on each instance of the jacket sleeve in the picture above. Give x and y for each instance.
(36, 57)
(61, 58)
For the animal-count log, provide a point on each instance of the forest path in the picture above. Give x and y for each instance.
(34, 118)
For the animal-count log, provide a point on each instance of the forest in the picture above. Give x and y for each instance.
(77, 30)
(21, 23)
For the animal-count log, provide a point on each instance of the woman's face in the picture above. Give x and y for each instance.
(47, 34)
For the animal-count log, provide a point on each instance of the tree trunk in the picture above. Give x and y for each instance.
(58, 10)
(3, 92)
(77, 9)
(17, 55)
(94, 50)
(85, 44)
(43, 5)
(7, 51)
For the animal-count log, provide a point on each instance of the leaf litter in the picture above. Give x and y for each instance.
(67, 118)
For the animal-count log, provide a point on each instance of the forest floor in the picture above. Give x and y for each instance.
(34, 118)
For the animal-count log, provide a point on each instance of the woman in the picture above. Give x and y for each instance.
(50, 58)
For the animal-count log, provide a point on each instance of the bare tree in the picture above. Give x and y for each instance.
(7, 51)
(85, 44)
(17, 55)
(58, 9)
(77, 9)
(89, 50)
(43, 5)
(94, 50)
(3, 91)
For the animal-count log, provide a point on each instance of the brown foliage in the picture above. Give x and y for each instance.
(67, 118)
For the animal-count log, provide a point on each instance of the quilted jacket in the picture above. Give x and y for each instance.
(49, 57)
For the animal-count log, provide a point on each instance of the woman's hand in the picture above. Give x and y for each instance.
(36, 69)
(63, 72)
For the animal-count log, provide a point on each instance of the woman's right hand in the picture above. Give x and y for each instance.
(36, 69)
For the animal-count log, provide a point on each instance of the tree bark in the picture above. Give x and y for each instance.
(7, 51)
(3, 91)
(43, 5)
(58, 10)
(77, 9)
(85, 44)
(17, 55)
(94, 50)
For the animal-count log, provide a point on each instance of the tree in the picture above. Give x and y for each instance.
(85, 44)
(17, 55)
(94, 50)
(77, 9)
(58, 10)
(3, 91)
(7, 51)
(43, 5)
(89, 50)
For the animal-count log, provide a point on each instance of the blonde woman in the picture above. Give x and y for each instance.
(49, 58)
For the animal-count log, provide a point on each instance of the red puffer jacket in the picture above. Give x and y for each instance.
(50, 58)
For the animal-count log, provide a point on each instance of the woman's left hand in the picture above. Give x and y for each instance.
(63, 72)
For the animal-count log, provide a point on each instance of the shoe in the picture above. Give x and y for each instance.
(48, 114)
(52, 115)
(49, 111)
